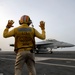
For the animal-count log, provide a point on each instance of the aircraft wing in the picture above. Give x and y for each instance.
(38, 44)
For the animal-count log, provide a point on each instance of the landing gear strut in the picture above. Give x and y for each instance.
(50, 50)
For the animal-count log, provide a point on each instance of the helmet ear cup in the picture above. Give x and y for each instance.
(20, 22)
(30, 21)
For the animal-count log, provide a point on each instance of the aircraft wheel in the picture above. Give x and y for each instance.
(37, 51)
(51, 52)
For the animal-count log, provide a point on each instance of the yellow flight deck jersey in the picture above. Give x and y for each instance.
(24, 36)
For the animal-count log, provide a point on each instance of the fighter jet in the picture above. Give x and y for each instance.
(49, 44)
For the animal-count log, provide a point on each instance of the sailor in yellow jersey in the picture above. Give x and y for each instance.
(24, 43)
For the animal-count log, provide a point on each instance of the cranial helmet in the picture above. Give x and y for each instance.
(25, 19)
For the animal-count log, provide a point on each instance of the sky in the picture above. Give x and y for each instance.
(59, 17)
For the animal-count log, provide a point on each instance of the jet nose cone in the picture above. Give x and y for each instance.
(71, 45)
(68, 45)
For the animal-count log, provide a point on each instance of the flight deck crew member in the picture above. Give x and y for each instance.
(24, 43)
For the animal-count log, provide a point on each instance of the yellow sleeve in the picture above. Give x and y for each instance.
(40, 35)
(7, 33)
